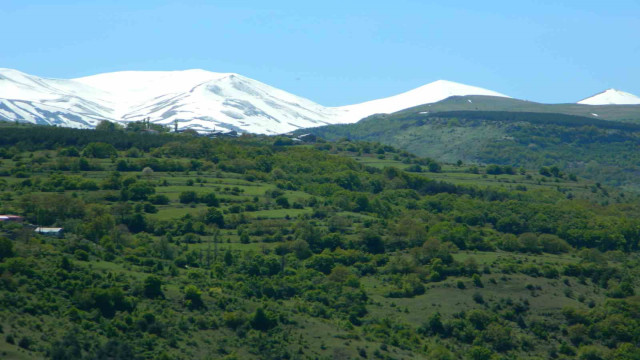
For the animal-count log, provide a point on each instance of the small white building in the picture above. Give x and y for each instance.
(49, 231)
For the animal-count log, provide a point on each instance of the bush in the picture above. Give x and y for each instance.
(81, 255)
(25, 343)
(159, 199)
(187, 197)
(477, 281)
(210, 199)
(283, 202)
(477, 297)
(99, 150)
(234, 319)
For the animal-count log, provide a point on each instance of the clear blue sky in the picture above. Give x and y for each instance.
(339, 52)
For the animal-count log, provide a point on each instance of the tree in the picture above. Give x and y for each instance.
(99, 150)
(480, 353)
(214, 216)
(434, 167)
(98, 222)
(544, 171)
(147, 172)
(193, 297)
(362, 203)
(283, 202)
(106, 125)
(499, 336)
(210, 199)
(6, 248)
(153, 287)
(159, 199)
(187, 197)
(228, 258)
(261, 321)
(141, 190)
(372, 242)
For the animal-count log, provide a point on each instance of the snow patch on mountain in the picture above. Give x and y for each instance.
(611, 97)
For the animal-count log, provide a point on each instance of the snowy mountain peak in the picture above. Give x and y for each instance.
(426, 94)
(611, 97)
(196, 98)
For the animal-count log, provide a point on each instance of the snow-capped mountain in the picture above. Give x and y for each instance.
(611, 97)
(50, 101)
(196, 99)
(426, 94)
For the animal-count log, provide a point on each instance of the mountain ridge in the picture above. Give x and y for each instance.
(195, 98)
(208, 101)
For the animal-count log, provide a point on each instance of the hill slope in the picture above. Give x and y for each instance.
(625, 113)
(602, 150)
(234, 248)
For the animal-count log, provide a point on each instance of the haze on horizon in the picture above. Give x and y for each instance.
(338, 53)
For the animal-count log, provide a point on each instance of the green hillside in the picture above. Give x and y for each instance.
(623, 113)
(182, 247)
(602, 150)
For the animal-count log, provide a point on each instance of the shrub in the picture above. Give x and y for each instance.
(187, 197)
(477, 297)
(477, 281)
(159, 199)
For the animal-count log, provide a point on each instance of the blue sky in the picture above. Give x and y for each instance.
(339, 52)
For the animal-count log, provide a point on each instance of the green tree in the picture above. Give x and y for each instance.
(141, 190)
(372, 242)
(99, 150)
(480, 353)
(152, 287)
(6, 248)
(193, 297)
(106, 125)
(210, 199)
(283, 202)
(214, 216)
(261, 321)
(477, 281)
(187, 197)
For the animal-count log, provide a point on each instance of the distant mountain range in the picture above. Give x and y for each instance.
(206, 101)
